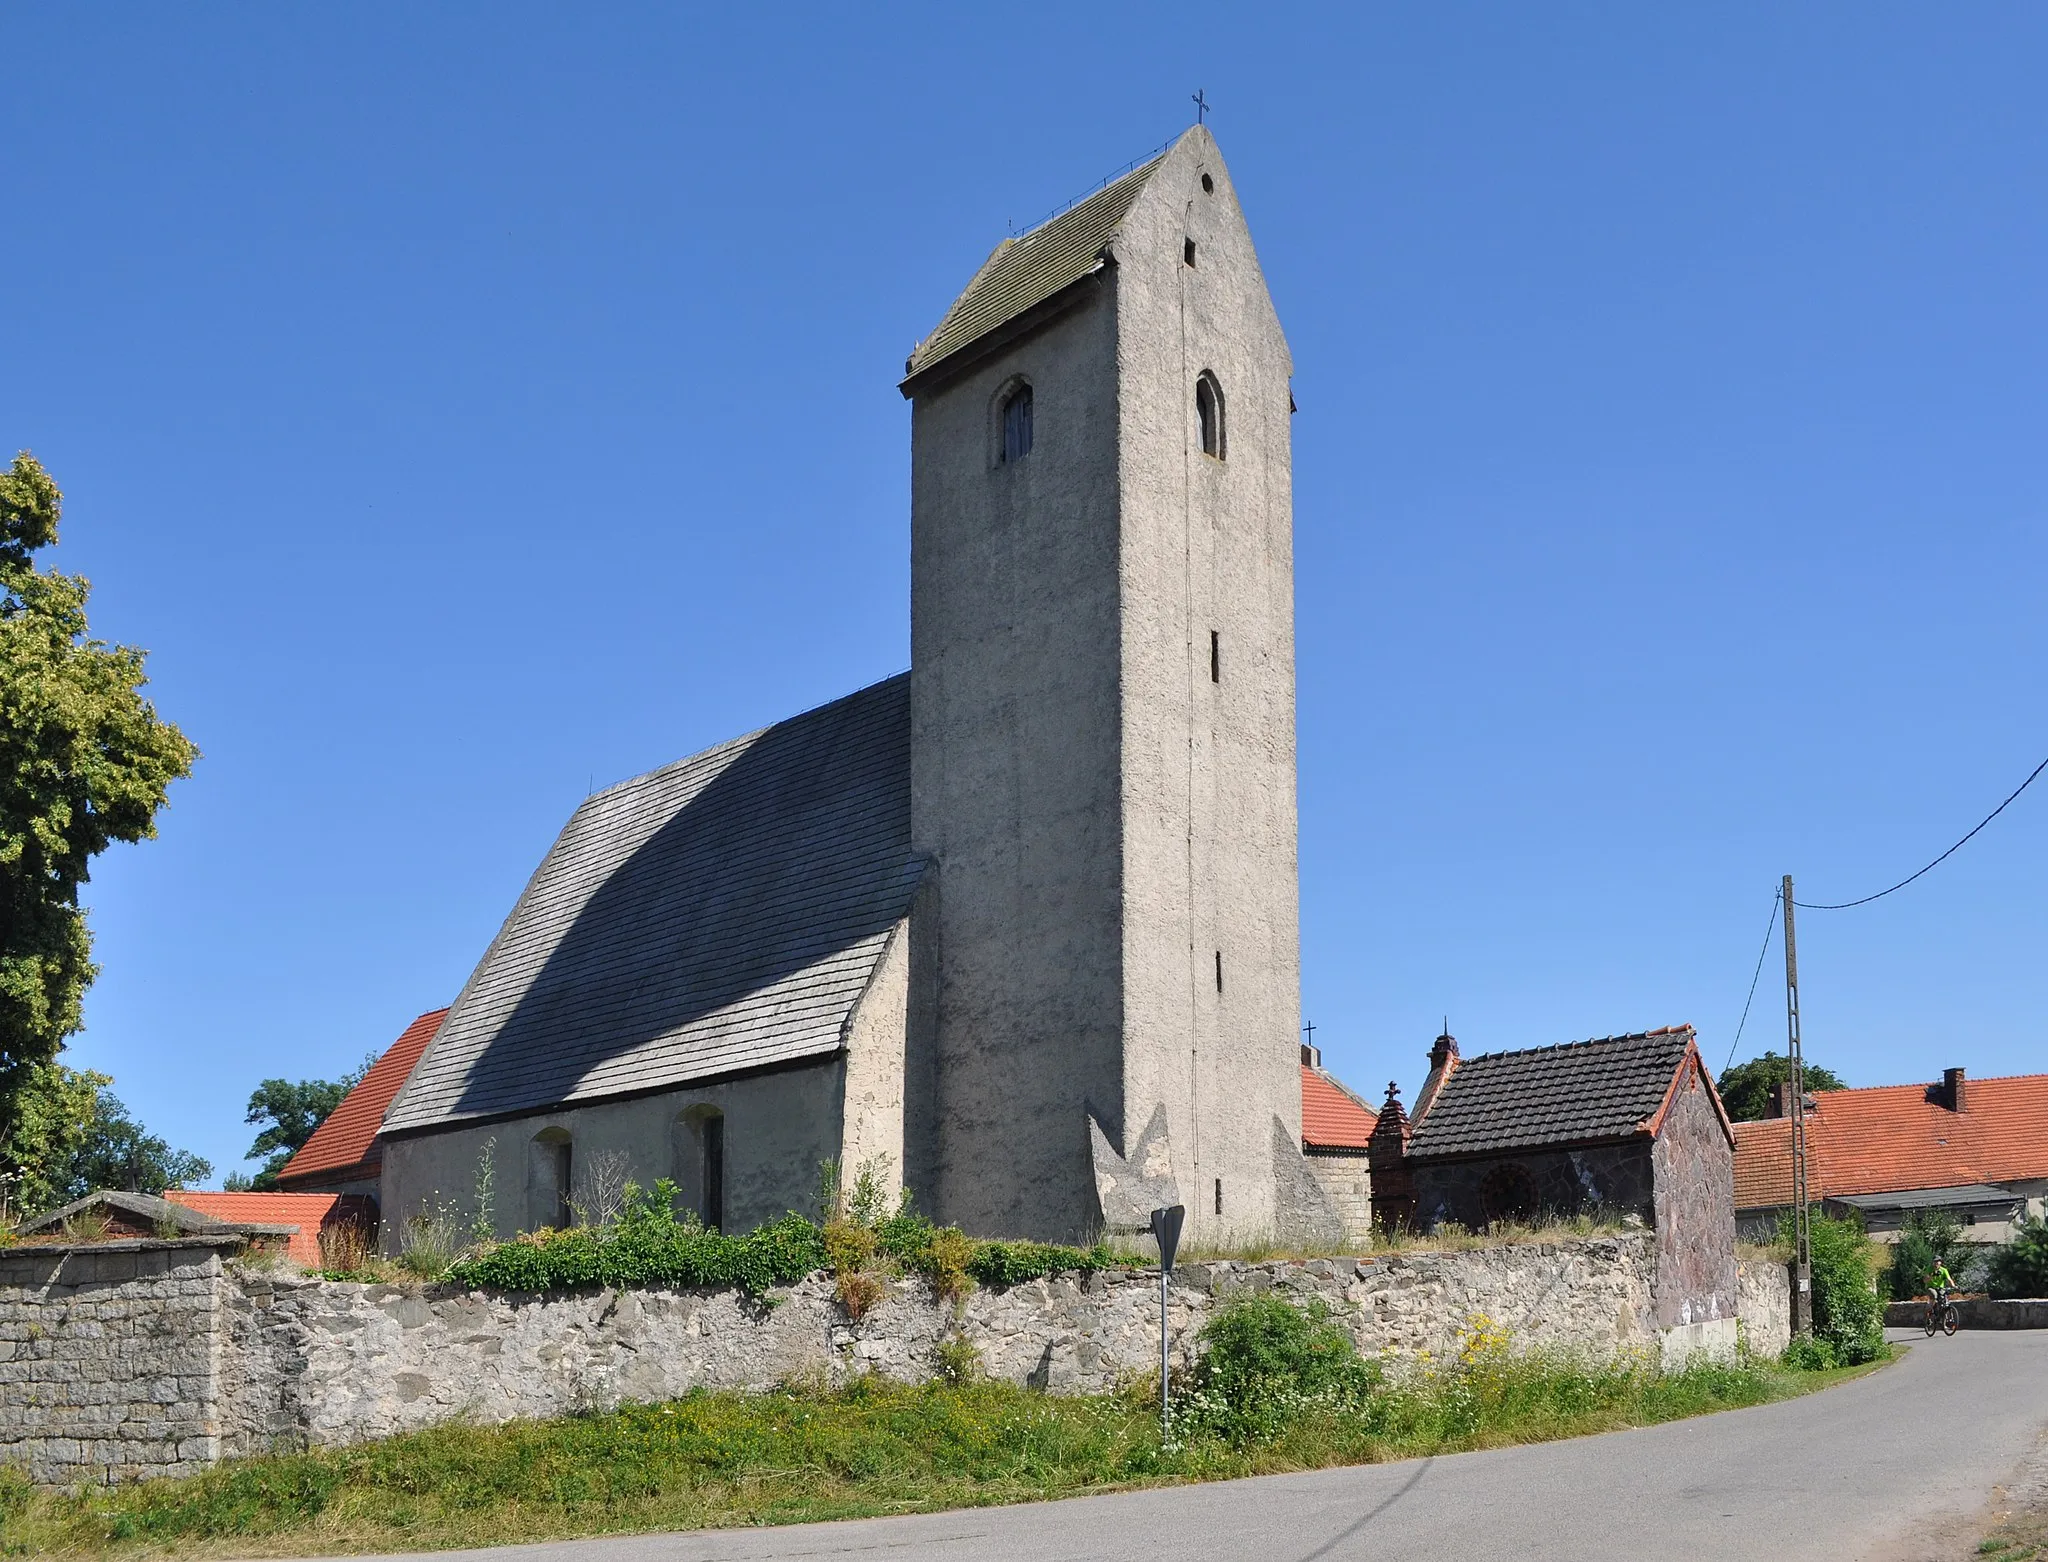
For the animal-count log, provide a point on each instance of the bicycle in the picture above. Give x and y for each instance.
(1942, 1315)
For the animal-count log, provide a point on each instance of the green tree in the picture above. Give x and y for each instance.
(72, 1136)
(53, 1119)
(1929, 1237)
(1749, 1089)
(2020, 1268)
(84, 762)
(1848, 1316)
(292, 1112)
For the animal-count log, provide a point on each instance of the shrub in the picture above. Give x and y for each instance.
(956, 1359)
(1847, 1312)
(1265, 1362)
(1930, 1236)
(428, 1243)
(649, 1246)
(2020, 1268)
(859, 1292)
(1806, 1354)
(1012, 1263)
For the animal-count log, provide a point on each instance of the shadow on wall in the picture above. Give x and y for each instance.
(797, 851)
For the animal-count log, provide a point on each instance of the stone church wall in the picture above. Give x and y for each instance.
(1346, 1181)
(157, 1359)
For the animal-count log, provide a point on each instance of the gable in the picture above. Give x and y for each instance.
(720, 915)
(1613, 1087)
(345, 1137)
(1331, 1117)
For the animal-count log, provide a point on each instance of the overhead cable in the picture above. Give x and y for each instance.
(1944, 857)
(1769, 928)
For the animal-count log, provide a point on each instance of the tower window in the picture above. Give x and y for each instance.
(1187, 252)
(1209, 414)
(1215, 656)
(1219, 970)
(1219, 1195)
(551, 1169)
(1017, 424)
(1208, 185)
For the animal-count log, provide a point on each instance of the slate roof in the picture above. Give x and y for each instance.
(1585, 1092)
(723, 913)
(346, 1138)
(1897, 1138)
(1332, 1118)
(1031, 267)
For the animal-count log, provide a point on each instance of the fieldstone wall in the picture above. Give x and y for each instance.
(214, 1363)
(1978, 1313)
(110, 1358)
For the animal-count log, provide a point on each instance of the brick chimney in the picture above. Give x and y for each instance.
(1954, 1090)
(1781, 1102)
(1443, 1062)
(1386, 1160)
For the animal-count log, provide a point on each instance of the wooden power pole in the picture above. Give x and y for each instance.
(1802, 1254)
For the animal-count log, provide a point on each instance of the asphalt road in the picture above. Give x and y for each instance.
(1895, 1467)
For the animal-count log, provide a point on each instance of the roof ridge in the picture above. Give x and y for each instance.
(1566, 1046)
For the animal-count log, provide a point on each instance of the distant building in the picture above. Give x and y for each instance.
(1975, 1148)
(1336, 1136)
(306, 1216)
(1627, 1126)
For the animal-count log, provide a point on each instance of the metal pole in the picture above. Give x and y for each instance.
(1165, 1392)
(1802, 1249)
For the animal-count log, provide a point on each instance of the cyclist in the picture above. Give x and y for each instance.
(1942, 1282)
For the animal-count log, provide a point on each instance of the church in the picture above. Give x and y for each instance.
(1019, 928)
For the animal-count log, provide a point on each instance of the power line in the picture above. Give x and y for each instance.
(1769, 928)
(1944, 857)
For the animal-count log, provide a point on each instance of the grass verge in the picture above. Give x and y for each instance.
(801, 1454)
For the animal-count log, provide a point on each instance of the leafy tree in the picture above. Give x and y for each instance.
(72, 1136)
(53, 1119)
(84, 762)
(1749, 1089)
(2020, 1268)
(1930, 1236)
(292, 1112)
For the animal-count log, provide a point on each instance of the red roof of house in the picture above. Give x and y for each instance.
(344, 1141)
(1331, 1117)
(1897, 1138)
(310, 1212)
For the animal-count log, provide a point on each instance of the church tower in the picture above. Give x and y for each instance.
(1106, 995)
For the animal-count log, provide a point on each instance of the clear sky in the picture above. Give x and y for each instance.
(470, 404)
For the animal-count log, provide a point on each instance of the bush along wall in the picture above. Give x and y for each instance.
(1848, 1314)
(648, 1245)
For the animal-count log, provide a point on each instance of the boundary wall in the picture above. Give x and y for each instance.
(160, 1357)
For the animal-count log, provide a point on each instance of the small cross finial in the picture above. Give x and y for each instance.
(1201, 106)
(1309, 1030)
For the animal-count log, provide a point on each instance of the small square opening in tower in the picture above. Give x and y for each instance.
(1187, 252)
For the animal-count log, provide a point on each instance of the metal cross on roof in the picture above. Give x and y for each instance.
(1201, 106)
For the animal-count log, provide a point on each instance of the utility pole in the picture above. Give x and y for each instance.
(1802, 1256)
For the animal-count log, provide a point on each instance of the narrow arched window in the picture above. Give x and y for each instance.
(700, 1163)
(711, 1209)
(550, 1170)
(1017, 424)
(1209, 415)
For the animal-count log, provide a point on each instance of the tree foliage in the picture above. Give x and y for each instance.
(1929, 1237)
(291, 1113)
(84, 762)
(1750, 1090)
(2020, 1268)
(72, 1136)
(1848, 1315)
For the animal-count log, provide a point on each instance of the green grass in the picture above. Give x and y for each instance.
(715, 1460)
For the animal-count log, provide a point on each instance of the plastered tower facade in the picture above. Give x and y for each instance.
(1102, 728)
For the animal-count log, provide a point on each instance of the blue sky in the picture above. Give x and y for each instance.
(468, 405)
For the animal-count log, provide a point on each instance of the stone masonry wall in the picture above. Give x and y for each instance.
(238, 1362)
(109, 1358)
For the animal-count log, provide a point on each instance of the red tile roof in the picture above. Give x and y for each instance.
(345, 1141)
(310, 1212)
(1897, 1138)
(1331, 1117)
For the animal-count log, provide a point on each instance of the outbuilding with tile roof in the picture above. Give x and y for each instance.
(1628, 1126)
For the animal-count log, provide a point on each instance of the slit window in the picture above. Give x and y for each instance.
(1209, 415)
(712, 1211)
(1219, 1195)
(1017, 424)
(1215, 656)
(1219, 970)
(1187, 252)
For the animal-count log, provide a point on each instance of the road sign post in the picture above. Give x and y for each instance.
(1166, 1224)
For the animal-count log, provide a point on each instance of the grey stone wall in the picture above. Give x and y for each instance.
(110, 1359)
(1346, 1182)
(155, 1360)
(1981, 1313)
